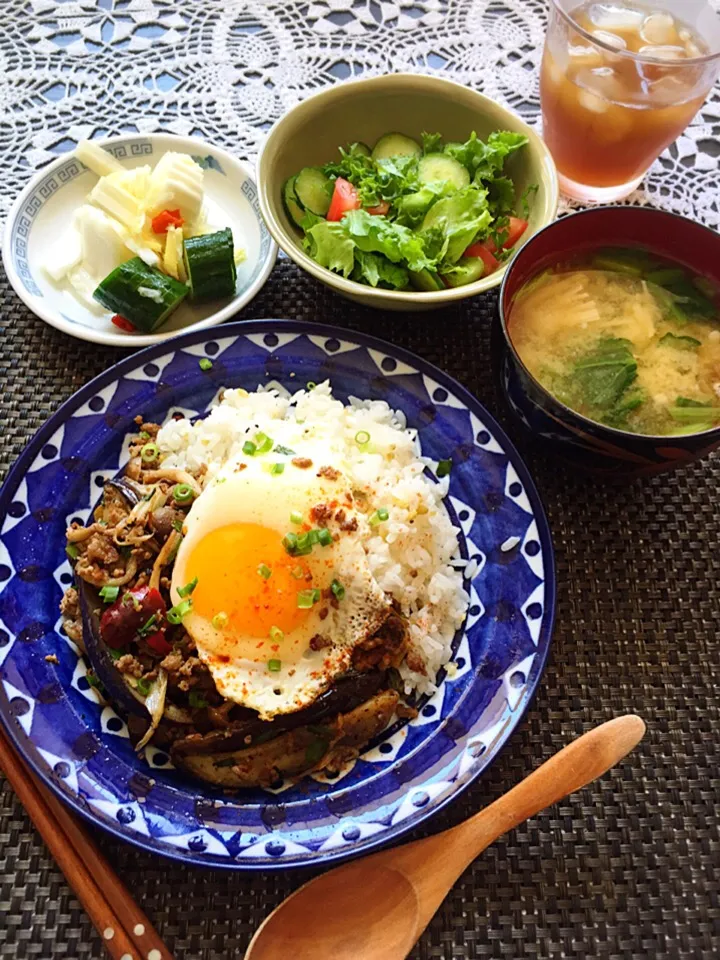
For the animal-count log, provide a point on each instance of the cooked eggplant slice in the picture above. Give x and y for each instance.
(291, 754)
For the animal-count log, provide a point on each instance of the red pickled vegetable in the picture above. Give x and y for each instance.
(165, 219)
(122, 323)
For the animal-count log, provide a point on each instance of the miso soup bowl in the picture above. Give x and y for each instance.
(560, 431)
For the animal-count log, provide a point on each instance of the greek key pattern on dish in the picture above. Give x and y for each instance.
(77, 741)
(226, 71)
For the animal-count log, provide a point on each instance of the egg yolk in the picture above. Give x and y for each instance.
(229, 563)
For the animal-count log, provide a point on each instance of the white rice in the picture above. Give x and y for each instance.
(410, 555)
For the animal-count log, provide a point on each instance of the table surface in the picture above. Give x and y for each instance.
(628, 867)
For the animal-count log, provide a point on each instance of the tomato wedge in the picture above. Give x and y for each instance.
(345, 197)
(380, 210)
(516, 230)
(481, 250)
(165, 219)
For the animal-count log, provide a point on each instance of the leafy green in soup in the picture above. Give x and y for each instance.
(625, 339)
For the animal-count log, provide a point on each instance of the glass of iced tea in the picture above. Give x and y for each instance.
(619, 82)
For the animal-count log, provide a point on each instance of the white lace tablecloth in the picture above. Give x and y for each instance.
(225, 70)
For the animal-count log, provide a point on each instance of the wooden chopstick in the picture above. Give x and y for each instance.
(126, 932)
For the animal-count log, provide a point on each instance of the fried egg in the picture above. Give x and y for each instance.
(267, 622)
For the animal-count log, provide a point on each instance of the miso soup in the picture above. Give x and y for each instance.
(625, 339)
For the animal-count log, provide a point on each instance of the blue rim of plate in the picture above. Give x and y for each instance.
(408, 773)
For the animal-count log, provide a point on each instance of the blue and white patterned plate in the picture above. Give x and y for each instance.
(44, 209)
(80, 746)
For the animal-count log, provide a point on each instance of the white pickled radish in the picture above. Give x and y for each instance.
(96, 159)
(63, 255)
(176, 183)
(103, 242)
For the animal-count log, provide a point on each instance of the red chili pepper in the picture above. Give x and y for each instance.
(165, 219)
(122, 323)
(120, 623)
(158, 643)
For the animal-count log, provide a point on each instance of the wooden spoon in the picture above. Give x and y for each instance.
(376, 908)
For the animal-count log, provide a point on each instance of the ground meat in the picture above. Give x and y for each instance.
(100, 549)
(415, 662)
(385, 649)
(72, 618)
(172, 663)
(321, 513)
(129, 664)
(194, 673)
(323, 612)
(330, 473)
(319, 642)
(345, 524)
(301, 462)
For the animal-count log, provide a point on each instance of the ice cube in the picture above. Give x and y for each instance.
(593, 103)
(659, 28)
(663, 52)
(584, 56)
(611, 16)
(611, 39)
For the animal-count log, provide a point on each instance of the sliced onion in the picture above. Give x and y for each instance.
(155, 704)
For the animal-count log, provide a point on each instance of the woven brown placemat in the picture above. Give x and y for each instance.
(629, 867)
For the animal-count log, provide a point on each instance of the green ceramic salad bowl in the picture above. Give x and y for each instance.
(363, 111)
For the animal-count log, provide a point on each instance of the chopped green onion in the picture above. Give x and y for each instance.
(313, 537)
(188, 588)
(297, 572)
(177, 525)
(197, 700)
(264, 571)
(304, 541)
(173, 552)
(276, 633)
(277, 468)
(306, 598)
(289, 541)
(220, 620)
(183, 493)
(338, 589)
(379, 516)
(149, 625)
(115, 654)
(274, 666)
(324, 537)
(264, 443)
(362, 437)
(149, 452)
(144, 435)
(129, 600)
(286, 451)
(311, 384)
(110, 594)
(443, 468)
(205, 364)
(295, 517)
(144, 686)
(249, 448)
(176, 613)
(72, 551)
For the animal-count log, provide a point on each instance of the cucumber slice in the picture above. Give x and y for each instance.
(358, 149)
(425, 280)
(469, 269)
(313, 190)
(292, 206)
(142, 295)
(395, 145)
(210, 265)
(438, 166)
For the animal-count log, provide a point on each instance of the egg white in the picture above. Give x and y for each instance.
(245, 492)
